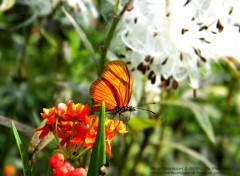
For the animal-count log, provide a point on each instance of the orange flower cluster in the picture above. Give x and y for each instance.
(74, 127)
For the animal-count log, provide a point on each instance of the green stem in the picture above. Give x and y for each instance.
(220, 148)
(69, 147)
(82, 153)
(150, 132)
(116, 7)
(147, 133)
(110, 35)
(159, 147)
(56, 133)
(123, 160)
(79, 147)
(165, 95)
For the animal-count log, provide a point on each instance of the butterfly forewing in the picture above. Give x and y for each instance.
(117, 73)
(114, 86)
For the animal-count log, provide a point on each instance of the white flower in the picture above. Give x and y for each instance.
(178, 39)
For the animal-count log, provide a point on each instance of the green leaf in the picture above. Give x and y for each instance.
(98, 157)
(37, 144)
(140, 124)
(20, 126)
(188, 151)
(6, 4)
(81, 35)
(200, 113)
(49, 39)
(26, 166)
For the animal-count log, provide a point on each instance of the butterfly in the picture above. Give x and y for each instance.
(114, 87)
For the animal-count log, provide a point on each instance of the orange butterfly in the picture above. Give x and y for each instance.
(114, 87)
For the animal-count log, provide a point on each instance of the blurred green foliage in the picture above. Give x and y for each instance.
(43, 62)
(36, 71)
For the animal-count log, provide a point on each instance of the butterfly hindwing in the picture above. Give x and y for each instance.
(100, 91)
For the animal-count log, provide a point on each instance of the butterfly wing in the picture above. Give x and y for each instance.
(114, 87)
(117, 73)
(101, 91)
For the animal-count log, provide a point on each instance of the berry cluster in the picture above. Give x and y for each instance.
(64, 168)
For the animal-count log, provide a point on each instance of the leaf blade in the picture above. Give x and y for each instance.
(26, 166)
(98, 157)
(200, 113)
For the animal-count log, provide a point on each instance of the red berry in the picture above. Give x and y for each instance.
(78, 172)
(56, 160)
(68, 166)
(60, 171)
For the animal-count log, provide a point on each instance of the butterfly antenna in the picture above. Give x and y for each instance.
(145, 110)
(137, 107)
